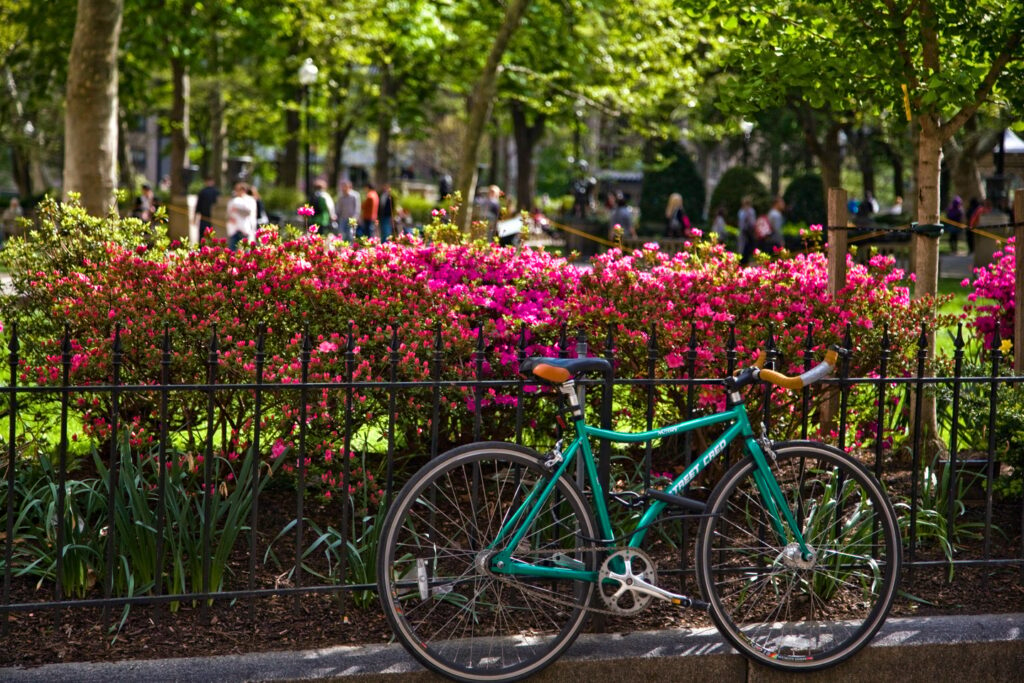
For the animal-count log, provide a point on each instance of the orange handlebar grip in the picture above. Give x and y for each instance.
(784, 381)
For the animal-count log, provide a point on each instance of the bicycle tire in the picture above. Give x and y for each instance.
(774, 606)
(445, 607)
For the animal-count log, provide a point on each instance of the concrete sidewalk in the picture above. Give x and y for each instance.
(987, 648)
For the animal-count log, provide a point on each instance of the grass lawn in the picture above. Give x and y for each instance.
(949, 285)
(944, 338)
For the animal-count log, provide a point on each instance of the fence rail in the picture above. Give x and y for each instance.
(224, 439)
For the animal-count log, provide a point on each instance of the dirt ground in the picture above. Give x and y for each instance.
(313, 621)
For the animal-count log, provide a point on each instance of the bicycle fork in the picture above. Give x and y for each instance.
(796, 553)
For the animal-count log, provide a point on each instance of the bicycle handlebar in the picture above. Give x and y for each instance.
(795, 383)
(560, 370)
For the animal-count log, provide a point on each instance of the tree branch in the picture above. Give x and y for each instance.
(984, 89)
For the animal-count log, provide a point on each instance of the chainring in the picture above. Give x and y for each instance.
(618, 573)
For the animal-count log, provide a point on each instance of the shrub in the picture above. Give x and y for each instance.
(991, 302)
(733, 186)
(419, 206)
(706, 288)
(283, 200)
(436, 301)
(1010, 440)
(674, 172)
(805, 200)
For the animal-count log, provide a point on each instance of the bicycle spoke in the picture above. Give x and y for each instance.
(766, 599)
(446, 606)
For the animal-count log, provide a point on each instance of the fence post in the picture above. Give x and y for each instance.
(837, 248)
(1018, 288)
(837, 239)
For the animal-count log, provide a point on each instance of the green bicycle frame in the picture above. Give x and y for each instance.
(518, 524)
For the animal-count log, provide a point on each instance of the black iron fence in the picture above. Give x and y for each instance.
(162, 492)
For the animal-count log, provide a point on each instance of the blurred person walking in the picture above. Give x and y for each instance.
(324, 214)
(677, 222)
(241, 216)
(386, 212)
(368, 213)
(621, 216)
(746, 220)
(348, 210)
(9, 220)
(205, 201)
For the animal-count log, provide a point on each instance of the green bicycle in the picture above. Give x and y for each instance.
(492, 556)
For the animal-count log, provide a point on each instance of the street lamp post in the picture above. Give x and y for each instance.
(747, 127)
(307, 77)
(579, 165)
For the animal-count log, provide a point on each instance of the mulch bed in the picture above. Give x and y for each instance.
(37, 638)
(314, 621)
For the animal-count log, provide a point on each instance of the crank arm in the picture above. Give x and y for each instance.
(641, 586)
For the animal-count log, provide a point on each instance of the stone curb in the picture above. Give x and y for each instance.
(948, 648)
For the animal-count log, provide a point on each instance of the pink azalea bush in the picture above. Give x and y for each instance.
(369, 306)
(706, 288)
(992, 301)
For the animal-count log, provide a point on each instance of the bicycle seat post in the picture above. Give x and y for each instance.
(568, 388)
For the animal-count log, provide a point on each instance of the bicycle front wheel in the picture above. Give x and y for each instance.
(444, 603)
(772, 603)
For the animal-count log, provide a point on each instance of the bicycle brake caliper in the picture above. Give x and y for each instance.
(766, 444)
(554, 456)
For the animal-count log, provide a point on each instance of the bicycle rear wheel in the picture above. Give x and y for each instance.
(443, 602)
(772, 604)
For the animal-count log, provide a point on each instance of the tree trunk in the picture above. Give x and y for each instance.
(21, 171)
(218, 136)
(179, 126)
(337, 157)
(90, 129)
(926, 255)
(831, 157)
(388, 89)
(926, 248)
(383, 155)
(861, 142)
(827, 150)
(527, 135)
(494, 173)
(124, 161)
(480, 110)
(965, 178)
(898, 189)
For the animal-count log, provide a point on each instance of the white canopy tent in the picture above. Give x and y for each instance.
(1012, 144)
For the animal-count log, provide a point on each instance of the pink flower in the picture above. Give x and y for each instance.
(305, 210)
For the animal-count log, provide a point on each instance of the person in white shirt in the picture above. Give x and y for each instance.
(241, 216)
